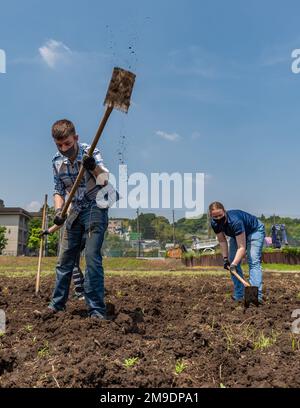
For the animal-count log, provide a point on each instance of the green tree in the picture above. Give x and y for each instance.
(53, 241)
(193, 226)
(114, 242)
(34, 239)
(3, 239)
(163, 229)
(35, 227)
(145, 225)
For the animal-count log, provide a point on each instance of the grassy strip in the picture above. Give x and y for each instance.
(281, 267)
(112, 273)
(27, 266)
(28, 263)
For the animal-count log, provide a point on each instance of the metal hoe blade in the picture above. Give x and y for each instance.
(120, 89)
(251, 296)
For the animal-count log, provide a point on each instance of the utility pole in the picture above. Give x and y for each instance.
(209, 229)
(46, 236)
(138, 232)
(173, 227)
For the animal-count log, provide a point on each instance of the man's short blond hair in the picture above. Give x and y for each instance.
(62, 129)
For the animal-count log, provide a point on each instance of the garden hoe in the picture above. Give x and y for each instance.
(42, 242)
(251, 292)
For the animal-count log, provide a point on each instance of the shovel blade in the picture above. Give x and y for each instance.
(120, 89)
(251, 295)
(110, 311)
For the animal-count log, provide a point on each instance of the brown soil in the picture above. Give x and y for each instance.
(161, 321)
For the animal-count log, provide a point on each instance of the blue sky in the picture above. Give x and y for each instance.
(214, 93)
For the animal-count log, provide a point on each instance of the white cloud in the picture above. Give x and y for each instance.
(171, 137)
(54, 52)
(33, 206)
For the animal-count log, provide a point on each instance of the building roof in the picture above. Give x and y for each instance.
(14, 211)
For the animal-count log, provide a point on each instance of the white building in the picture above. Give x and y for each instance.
(15, 220)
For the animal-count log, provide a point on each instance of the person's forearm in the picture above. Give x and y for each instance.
(240, 253)
(59, 201)
(101, 175)
(224, 248)
(99, 170)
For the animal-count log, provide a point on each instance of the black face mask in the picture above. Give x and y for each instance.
(71, 152)
(220, 221)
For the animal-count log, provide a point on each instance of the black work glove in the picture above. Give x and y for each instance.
(43, 233)
(58, 219)
(89, 163)
(226, 263)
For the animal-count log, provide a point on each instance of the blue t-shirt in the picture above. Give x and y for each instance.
(237, 222)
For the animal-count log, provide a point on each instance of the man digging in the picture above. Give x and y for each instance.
(85, 218)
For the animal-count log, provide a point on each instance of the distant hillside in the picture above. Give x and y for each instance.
(157, 227)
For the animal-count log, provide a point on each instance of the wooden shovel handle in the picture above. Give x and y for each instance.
(90, 154)
(244, 282)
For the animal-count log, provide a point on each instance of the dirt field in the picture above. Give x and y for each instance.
(167, 332)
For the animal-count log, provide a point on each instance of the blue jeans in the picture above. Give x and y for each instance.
(255, 242)
(93, 222)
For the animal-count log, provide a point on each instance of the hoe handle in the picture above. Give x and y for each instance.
(90, 153)
(244, 282)
(38, 275)
(54, 228)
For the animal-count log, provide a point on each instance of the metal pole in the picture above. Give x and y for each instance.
(138, 231)
(46, 236)
(173, 227)
(208, 226)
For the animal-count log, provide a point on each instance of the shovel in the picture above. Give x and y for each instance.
(251, 292)
(118, 96)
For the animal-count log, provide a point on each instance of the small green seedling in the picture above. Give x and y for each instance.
(295, 344)
(264, 342)
(180, 367)
(28, 327)
(222, 385)
(130, 362)
(229, 338)
(44, 351)
(2, 334)
(119, 294)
